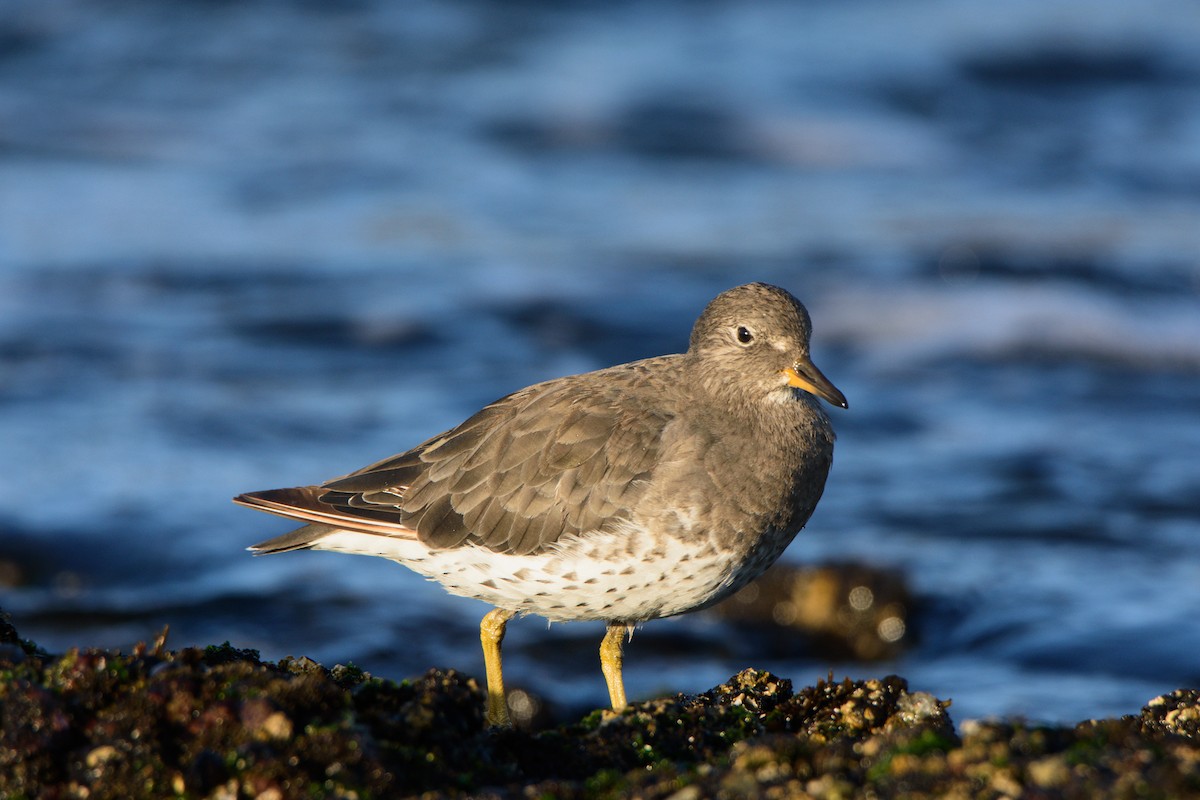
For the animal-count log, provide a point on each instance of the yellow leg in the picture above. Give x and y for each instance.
(610, 663)
(491, 634)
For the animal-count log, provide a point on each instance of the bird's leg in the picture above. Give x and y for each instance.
(610, 663)
(491, 634)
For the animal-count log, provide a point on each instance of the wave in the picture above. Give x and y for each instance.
(897, 323)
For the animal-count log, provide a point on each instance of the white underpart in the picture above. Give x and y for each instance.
(628, 575)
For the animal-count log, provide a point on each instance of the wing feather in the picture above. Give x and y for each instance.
(557, 459)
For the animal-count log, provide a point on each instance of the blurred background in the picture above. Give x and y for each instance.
(256, 244)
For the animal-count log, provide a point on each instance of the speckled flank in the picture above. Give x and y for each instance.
(601, 576)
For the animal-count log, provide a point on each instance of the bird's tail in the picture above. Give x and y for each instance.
(299, 539)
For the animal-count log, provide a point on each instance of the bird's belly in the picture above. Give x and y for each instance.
(628, 576)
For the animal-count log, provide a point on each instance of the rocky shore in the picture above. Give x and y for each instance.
(221, 723)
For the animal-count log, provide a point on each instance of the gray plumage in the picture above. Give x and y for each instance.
(574, 454)
(641, 490)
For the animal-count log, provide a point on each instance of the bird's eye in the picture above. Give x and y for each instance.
(744, 336)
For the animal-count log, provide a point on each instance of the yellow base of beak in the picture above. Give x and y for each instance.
(818, 386)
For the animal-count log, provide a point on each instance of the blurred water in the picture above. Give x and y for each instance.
(245, 245)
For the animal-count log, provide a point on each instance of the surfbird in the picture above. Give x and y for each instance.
(634, 492)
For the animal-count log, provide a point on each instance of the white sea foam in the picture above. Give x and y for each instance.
(896, 324)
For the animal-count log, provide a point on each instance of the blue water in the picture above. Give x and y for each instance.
(247, 245)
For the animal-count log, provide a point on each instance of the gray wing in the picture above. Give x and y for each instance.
(556, 459)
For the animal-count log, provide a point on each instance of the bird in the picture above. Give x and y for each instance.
(623, 495)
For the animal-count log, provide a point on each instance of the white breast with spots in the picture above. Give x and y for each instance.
(625, 575)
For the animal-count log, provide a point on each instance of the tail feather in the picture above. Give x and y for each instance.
(299, 539)
(304, 504)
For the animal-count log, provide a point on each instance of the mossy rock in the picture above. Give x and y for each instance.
(219, 722)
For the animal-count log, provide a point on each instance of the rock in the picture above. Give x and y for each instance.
(1178, 712)
(220, 722)
(844, 611)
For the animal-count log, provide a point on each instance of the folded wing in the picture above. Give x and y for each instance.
(553, 460)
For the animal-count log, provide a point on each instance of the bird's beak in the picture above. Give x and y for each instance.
(805, 375)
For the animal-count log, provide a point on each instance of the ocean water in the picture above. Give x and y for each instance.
(248, 245)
